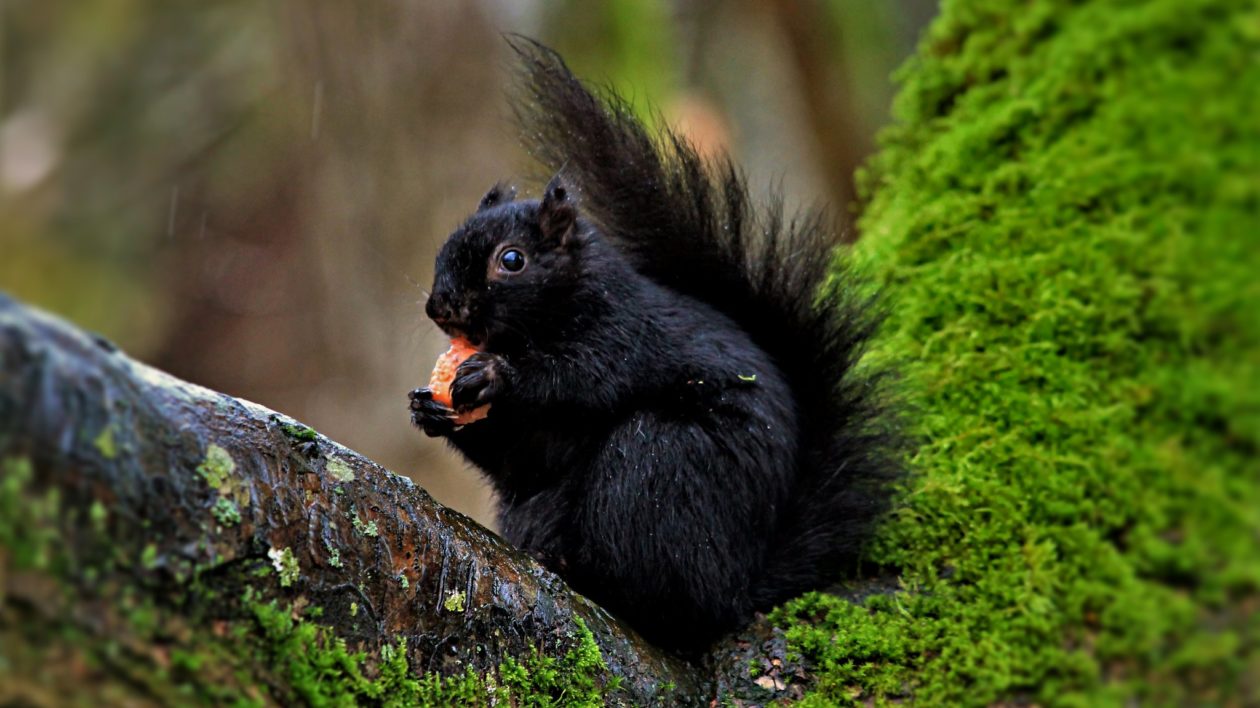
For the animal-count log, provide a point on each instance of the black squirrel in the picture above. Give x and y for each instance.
(677, 426)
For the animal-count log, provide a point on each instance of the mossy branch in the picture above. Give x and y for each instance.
(196, 528)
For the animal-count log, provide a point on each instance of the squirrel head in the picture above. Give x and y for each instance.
(509, 271)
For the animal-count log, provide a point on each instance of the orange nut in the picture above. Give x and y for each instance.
(444, 375)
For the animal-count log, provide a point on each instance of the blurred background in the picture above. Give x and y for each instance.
(250, 194)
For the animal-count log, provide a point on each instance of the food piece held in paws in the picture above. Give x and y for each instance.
(444, 375)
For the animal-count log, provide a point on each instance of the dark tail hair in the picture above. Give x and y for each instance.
(689, 225)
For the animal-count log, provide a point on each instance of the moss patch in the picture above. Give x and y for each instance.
(286, 565)
(218, 468)
(339, 470)
(299, 432)
(319, 669)
(1066, 219)
(226, 512)
(367, 529)
(98, 515)
(455, 601)
(25, 519)
(149, 557)
(334, 554)
(135, 650)
(105, 443)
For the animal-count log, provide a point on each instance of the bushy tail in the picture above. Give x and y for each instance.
(689, 224)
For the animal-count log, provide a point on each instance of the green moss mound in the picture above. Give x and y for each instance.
(1067, 220)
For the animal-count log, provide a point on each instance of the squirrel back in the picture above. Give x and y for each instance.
(691, 226)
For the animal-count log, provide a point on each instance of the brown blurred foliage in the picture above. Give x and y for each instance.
(250, 195)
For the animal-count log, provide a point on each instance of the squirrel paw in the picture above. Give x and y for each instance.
(481, 379)
(430, 416)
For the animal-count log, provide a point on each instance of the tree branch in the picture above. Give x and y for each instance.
(205, 503)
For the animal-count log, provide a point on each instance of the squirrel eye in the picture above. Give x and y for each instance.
(512, 260)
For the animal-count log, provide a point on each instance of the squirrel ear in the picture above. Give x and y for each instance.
(557, 213)
(498, 194)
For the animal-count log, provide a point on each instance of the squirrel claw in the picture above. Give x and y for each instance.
(430, 416)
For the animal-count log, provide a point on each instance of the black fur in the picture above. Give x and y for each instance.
(676, 424)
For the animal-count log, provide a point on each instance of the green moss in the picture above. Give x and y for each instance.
(455, 601)
(149, 556)
(218, 468)
(98, 515)
(104, 443)
(339, 470)
(576, 678)
(403, 581)
(285, 565)
(367, 529)
(1065, 219)
(273, 657)
(299, 432)
(320, 669)
(226, 511)
(27, 520)
(334, 554)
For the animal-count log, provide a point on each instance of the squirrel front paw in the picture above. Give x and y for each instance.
(479, 380)
(430, 416)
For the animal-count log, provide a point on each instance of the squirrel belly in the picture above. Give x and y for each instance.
(662, 506)
(678, 427)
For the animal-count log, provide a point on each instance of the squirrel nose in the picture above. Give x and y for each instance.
(443, 310)
(438, 308)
